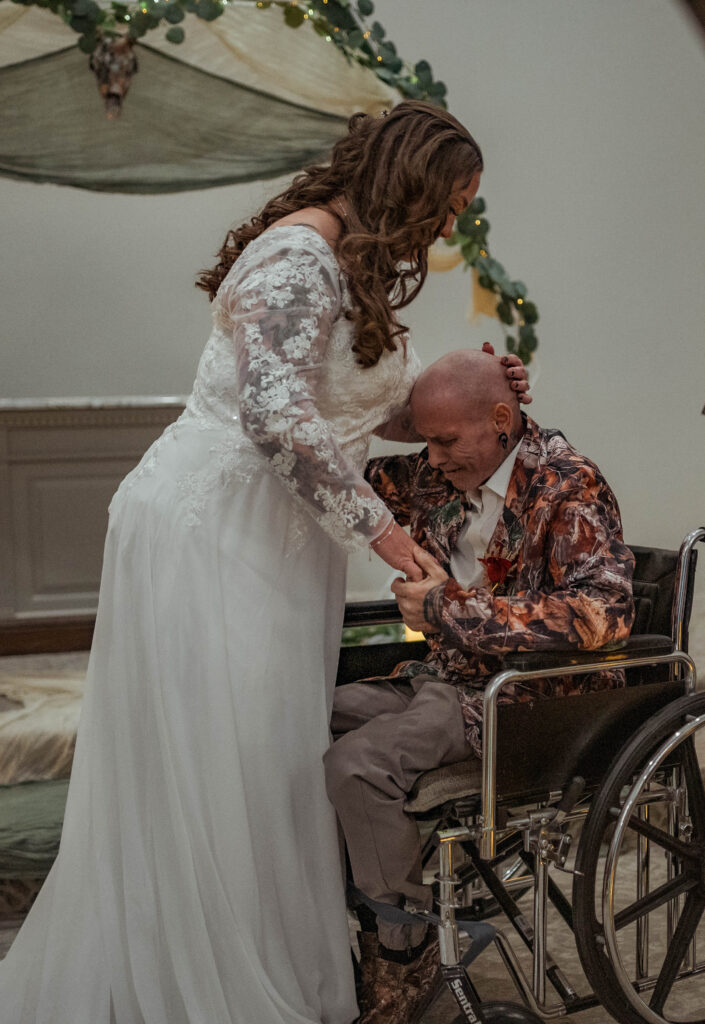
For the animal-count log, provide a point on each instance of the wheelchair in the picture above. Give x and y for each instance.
(618, 770)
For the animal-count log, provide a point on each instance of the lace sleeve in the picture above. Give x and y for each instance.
(280, 312)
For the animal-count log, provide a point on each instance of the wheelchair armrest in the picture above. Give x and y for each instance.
(371, 613)
(642, 646)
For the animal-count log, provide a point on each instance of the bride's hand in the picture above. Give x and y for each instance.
(516, 373)
(397, 549)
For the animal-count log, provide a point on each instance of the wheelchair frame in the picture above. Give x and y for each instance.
(475, 830)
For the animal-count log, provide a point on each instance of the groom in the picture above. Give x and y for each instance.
(524, 551)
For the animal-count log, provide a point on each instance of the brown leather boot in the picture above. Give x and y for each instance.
(400, 993)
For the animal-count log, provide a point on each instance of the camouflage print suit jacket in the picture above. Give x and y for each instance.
(566, 570)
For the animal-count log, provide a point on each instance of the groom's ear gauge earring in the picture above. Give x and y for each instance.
(503, 440)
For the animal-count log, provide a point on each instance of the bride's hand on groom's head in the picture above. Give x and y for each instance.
(515, 371)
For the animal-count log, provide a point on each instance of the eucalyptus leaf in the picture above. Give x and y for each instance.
(294, 16)
(437, 89)
(504, 312)
(390, 60)
(466, 222)
(209, 10)
(355, 38)
(409, 88)
(87, 43)
(470, 251)
(423, 72)
(386, 74)
(527, 337)
(174, 13)
(529, 312)
(477, 206)
(510, 343)
(365, 7)
(81, 24)
(175, 34)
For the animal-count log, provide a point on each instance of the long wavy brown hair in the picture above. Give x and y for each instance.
(395, 175)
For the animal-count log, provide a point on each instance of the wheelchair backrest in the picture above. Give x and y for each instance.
(654, 586)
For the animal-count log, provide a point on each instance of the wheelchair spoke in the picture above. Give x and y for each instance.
(689, 853)
(688, 922)
(653, 900)
(696, 792)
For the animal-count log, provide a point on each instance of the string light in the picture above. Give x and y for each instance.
(365, 35)
(478, 223)
(379, 58)
(520, 302)
(483, 252)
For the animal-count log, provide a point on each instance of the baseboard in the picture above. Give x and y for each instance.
(51, 635)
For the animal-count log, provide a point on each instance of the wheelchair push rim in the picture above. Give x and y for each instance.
(659, 766)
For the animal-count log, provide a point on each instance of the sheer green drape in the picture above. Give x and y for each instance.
(181, 128)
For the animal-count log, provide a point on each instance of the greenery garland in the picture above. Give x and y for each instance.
(513, 308)
(346, 25)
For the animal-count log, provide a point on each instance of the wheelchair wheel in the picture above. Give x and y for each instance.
(637, 910)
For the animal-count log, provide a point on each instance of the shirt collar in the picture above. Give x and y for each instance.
(498, 483)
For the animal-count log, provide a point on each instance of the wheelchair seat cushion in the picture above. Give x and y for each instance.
(451, 782)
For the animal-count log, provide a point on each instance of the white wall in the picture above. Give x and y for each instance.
(589, 113)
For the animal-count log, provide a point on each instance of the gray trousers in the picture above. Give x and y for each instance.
(389, 734)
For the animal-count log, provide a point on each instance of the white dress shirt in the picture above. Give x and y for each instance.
(486, 506)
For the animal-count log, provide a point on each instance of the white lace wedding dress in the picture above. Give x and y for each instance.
(199, 877)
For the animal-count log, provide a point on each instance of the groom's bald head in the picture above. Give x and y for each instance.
(464, 407)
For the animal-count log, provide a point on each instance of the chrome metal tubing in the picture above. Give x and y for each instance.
(673, 906)
(511, 962)
(489, 730)
(681, 588)
(540, 907)
(643, 856)
(447, 929)
(608, 889)
(648, 984)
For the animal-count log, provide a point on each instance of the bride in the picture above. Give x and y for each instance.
(198, 879)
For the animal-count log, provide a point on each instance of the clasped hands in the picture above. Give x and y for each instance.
(411, 594)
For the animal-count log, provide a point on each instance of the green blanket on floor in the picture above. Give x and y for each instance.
(31, 814)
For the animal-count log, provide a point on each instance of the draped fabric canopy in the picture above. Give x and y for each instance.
(243, 98)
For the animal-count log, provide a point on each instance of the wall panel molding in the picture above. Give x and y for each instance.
(60, 464)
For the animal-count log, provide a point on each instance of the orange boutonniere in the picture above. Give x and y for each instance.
(497, 570)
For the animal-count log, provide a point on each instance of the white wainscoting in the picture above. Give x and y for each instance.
(60, 463)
